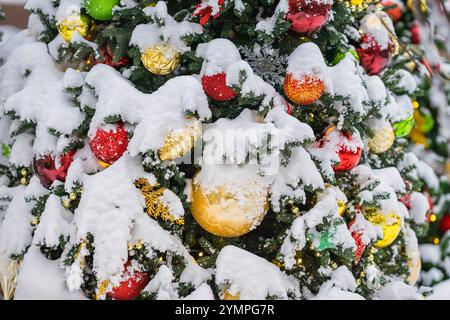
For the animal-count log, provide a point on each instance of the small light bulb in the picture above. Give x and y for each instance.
(433, 218)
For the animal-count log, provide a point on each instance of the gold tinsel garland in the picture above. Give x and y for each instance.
(155, 207)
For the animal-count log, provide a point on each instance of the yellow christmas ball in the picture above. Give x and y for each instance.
(225, 213)
(341, 207)
(160, 59)
(390, 223)
(382, 140)
(76, 22)
(180, 142)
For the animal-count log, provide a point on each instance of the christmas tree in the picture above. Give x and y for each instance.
(223, 149)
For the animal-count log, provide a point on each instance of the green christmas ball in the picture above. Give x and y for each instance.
(341, 55)
(404, 127)
(424, 120)
(100, 9)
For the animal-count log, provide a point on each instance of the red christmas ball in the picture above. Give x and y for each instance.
(109, 145)
(372, 57)
(216, 87)
(395, 13)
(308, 16)
(444, 226)
(348, 159)
(46, 170)
(415, 33)
(131, 285)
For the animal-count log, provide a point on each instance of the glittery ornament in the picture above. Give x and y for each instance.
(76, 22)
(215, 87)
(131, 285)
(303, 91)
(227, 214)
(100, 9)
(308, 16)
(109, 145)
(229, 296)
(390, 223)
(382, 140)
(403, 128)
(46, 170)
(180, 142)
(160, 59)
(360, 246)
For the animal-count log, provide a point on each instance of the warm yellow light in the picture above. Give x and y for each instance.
(200, 254)
(436, 241)
(415, 104)
(433, 218)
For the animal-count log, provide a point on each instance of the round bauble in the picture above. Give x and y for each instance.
(131, 285)
(382, 140)
(444, 225)
(100, 9)
(76, 22)
(413, 255)
(215, 86)
(160, 59)
(390, 223)
(395, 13)
(303, 91)
(229, 212)
(404, 127)
(109, 143)
(415, 33)
(372, 57)
(424, 120)
(46, 170)
(308, 16)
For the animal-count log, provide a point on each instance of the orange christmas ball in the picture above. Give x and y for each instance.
(303, 91)
(395, 13)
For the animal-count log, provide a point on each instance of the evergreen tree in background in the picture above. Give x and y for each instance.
(225, 149)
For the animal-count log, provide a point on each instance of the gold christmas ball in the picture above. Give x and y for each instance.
(303, 91)
(160, 59)
(72, 196)
(382, 140)
(76, 22)
(390, 223)
(180, 142)
(66, 203)
(413, 255)
(224, 213)
(23, 172)
(23, 181)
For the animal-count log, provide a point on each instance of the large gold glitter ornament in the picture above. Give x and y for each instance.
(180, 142)
(156, 208)
(160, 59)
(226, 214)
(76, 22)
(382, 140)
(390, 223)
(8, 277)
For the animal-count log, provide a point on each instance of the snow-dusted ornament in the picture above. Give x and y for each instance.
(109, 143)
(357, 5)
(348, 149)
(160, 59)
(308, 16)
(383, 137)
(390, 224)
(81, 23)
(180, 142)
(8, 276)
(229, 210)
(378, 42)
(413, 254)
(101, 9)
(403, 127)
